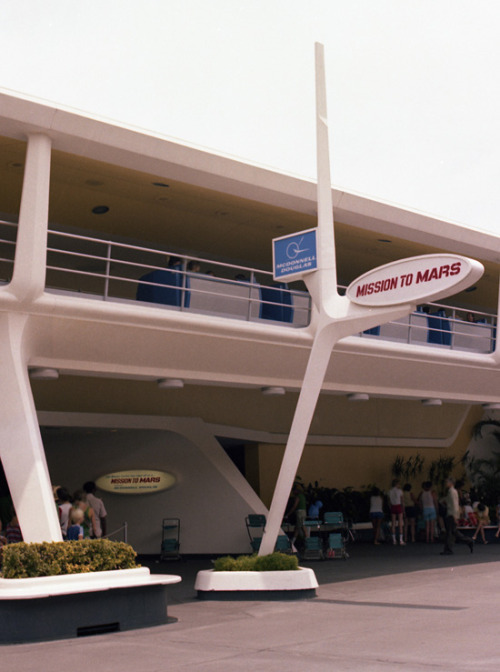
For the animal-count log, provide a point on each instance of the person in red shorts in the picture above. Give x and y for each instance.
(396, 507)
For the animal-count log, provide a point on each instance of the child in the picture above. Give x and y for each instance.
(483, 518)
(469, 517)
(75, 530)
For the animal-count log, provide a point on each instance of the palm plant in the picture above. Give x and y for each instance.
(409, 468)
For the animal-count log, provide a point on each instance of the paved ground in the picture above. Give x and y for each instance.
(385, 608)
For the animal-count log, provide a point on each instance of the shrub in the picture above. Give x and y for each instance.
(22, 560)
(275, 562)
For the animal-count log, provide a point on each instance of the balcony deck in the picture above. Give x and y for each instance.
(104, 270)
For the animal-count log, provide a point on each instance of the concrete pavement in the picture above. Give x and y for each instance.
(385, 608)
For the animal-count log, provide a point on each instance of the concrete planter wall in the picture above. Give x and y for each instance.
(288, 585)
(72, 605)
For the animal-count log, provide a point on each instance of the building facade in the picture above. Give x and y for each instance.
(142, 330)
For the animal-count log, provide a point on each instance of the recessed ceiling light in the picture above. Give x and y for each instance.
(273, 390)
(44, 373)
(170, 383)
(100, 209)
(432, 402)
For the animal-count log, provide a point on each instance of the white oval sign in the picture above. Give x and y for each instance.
(428, 277)
(136, 482)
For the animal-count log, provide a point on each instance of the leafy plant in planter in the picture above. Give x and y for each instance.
(439, 470)
(275, 562)
(484, 475)
(409, 468)
(24, 560)
(477, 430)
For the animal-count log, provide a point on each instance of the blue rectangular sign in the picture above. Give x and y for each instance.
(294, 254)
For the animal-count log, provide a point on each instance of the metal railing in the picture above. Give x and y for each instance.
(8, 235)
(122, 531)
(111, 271)
(442, 326)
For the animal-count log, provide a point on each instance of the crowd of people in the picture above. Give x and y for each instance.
(81, 516)
(436, 517)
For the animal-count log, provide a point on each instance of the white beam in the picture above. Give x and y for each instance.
(21, 448)
(28, 280)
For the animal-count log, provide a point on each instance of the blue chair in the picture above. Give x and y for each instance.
(336, 546)
(439, 329)
(313, 548)
(333, 518)
(283, 544)
(255, 523)
(255, 544)
(276, 303)
(165, 287)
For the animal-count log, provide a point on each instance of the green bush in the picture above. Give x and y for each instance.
(275, 562)
(22, 560)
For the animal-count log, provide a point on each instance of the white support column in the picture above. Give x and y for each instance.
(28, 280)
(337, 317)
(304, 412)
(325, 234)
(322, 285)
(21, 448)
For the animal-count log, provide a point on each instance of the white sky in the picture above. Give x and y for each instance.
(413, 85)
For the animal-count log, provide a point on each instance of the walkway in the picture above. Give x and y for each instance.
(386, 608)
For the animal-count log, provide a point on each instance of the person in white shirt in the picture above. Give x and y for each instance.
(452, 516)
(376, 513)
(396, 505)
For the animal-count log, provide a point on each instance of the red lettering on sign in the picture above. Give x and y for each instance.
(437, 273)
(377, 287)
(422, 277)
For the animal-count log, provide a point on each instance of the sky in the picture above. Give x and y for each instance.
(413, 86)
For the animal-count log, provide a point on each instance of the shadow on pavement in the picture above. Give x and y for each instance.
(365, 561)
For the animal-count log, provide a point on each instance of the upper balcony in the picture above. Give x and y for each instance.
(104, 270)
(122, 202)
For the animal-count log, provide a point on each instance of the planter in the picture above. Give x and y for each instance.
(74, 605)
(286, 585)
